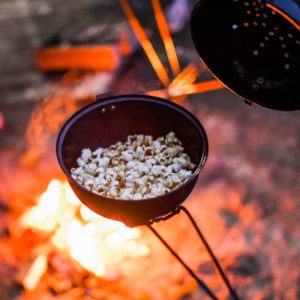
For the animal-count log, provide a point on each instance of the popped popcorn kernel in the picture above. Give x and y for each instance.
(140, 168)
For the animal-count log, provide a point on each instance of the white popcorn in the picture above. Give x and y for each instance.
(184, 174)
(87, 176)
(115, 183)
(175, 178)
(156, 146)
(110, 172)
(137, 196)
(139, 139)
(182, 161)
(126, 155)
(100, 170)
(103, 162)
(156, 170)
(129, 184)
(140, 153)
(112, 153)
(157, 189)
(150, 162)
(143, 169)
(129, 178)
(139, 181)
(112, 192)
(91, 168)
(126, 193)
(98, 152)
(86, 154)
(169, 169)
(140, 168)
(175, 167)
(81, 162)
(130, 165)
(89, 183)
(77, 171)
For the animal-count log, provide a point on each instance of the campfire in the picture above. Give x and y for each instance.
(97, 244)
(54, 247)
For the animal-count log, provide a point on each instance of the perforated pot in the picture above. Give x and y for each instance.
(253, 47)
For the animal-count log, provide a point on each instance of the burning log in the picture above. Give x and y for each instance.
(84, 57)
(188, 89)
(145, 43)
(163, 28)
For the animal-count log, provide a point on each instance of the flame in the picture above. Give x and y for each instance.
(35, 273)
(96, 243)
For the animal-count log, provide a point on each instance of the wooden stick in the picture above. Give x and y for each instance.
(83, 57)
(145, 43)
(188, 89)
(163, 28)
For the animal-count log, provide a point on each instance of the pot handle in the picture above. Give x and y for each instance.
(210, 252)
(104, 96)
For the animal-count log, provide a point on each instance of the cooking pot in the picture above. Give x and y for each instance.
(112, 119)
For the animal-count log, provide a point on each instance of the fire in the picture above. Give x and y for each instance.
(99, 245)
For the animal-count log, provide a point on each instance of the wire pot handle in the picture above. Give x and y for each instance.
(209, 250)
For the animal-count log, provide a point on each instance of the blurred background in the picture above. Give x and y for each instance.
(56, 56)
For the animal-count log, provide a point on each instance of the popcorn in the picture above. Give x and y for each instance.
(126, 156)
(140, 168)
(98, 152)
(143, 169)
(156, 170)
(81, 162)
(86, 154)
(91, 168)
(103, 162)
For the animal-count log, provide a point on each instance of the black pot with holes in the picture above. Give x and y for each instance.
(252, 47)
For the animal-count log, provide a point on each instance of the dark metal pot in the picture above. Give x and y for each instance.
(112, 119)
(253, 47)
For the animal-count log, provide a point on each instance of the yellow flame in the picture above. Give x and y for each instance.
(96, 243)
(36, 271)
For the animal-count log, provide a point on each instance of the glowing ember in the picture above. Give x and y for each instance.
(96, 243)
